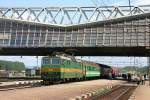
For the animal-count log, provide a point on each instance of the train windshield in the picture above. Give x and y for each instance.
(52, 61)
(55, 61)
(45, 61)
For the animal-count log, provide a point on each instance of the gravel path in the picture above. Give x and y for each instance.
(56, 92)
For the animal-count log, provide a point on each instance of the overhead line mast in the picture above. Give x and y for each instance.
(130, 4)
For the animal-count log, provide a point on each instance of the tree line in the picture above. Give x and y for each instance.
(12, 66)
(138, 70)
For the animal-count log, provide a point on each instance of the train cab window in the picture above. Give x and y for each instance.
(55, 61)
(46, 61)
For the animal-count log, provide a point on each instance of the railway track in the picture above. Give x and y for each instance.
(121, 92)
(25, 84)
(19, 86)
(11, 79)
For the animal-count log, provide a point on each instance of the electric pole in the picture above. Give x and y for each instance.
(130, 4)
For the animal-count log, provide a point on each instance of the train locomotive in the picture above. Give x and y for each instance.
(66, 68)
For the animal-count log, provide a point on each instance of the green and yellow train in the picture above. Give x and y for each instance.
(63, 68)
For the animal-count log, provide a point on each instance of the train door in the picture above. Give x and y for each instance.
(84, 71)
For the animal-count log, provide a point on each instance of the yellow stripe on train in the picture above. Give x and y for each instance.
(61, 70)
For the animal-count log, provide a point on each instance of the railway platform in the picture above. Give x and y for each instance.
(64, 91)
(142, 92)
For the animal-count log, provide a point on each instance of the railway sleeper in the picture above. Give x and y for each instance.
(116, 93)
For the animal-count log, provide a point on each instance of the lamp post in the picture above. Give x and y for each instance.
(129, 4)
(149, 56)
(148, 68)
(37, 60)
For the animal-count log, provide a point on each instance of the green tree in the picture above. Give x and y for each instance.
(9, 65)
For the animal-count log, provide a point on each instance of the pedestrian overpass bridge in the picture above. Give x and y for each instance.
(84, 31)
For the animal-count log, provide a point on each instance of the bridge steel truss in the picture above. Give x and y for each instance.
(124, 32)
(71, 15)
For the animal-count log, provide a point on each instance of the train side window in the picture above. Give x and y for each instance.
(68, 62)
(55, 61)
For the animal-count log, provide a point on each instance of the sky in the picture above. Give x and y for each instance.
(31, 61)
(48, 3)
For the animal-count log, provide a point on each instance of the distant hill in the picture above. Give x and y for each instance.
(10, 65)
(127, 69)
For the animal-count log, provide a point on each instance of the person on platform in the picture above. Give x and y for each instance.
(110, 76)
(144, 76)
(113, 75)
(138, 79)
(129, 77)
(142, 80)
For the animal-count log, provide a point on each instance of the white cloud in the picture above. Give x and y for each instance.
(133, 2)
(141, 2)
(120, 3)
